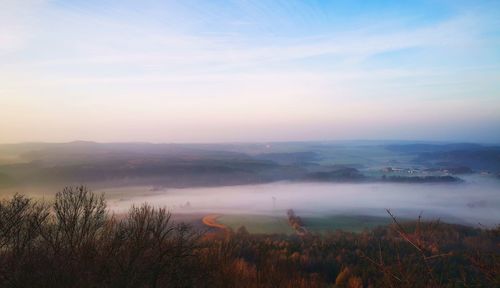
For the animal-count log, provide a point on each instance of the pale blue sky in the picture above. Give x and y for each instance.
(214, 71)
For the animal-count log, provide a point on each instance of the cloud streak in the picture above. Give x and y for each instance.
(86, 55)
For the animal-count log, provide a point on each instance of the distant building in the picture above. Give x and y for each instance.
(387, 170)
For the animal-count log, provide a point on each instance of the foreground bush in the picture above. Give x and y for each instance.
(75, 243)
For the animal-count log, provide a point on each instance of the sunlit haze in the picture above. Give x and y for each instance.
(216, 71)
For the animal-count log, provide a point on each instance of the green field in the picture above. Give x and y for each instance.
(279, 224)
(356, 223)
(257, 223)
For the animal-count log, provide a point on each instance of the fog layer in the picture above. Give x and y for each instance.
(475, 201)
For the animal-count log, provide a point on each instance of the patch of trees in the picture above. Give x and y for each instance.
(421, 179)
(452, 170)
(296, 222)
(336, 174)
(75, 243)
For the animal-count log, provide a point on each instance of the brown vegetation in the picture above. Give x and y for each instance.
(296, 223)
(76, 243)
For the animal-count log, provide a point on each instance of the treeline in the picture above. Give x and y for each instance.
(421, 179)
(75, 242)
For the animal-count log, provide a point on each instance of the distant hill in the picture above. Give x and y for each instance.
(466, 155)
(485, 159)
(184, 165)
(423, 148)
(289, 158)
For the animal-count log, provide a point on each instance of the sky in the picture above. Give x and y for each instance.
(249, 71)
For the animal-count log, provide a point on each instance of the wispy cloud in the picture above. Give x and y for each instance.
(16, 23)
(96, 54)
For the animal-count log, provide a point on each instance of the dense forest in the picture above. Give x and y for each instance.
(75, 242)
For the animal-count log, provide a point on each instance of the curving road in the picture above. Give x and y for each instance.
(211, 221)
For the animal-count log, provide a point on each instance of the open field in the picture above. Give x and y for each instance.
(279, 224)
(260, 224)
(354, 223)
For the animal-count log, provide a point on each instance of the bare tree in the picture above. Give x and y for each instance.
(21, 221)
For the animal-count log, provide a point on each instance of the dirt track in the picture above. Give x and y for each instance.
(211, 221)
